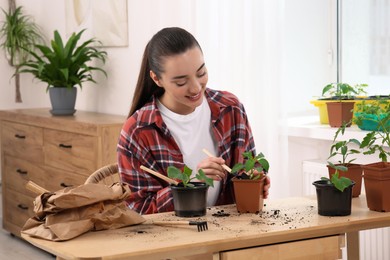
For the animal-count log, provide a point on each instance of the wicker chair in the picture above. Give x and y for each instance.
(106, 175)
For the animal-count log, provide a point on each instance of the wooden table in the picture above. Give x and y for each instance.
(286, 226)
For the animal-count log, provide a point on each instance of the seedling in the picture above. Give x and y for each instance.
(253, 165)
(339, 182)
(185, 176)
(342, 148)
(343, 90)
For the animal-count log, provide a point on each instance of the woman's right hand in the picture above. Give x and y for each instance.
(212, 167)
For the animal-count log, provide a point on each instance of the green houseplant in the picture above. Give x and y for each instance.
(338, 93)
(341, 111)
(344, 166)
(248, 182)
(377, 175)
(63, 67)
(18, 34)
(189, 197)
(368, 113)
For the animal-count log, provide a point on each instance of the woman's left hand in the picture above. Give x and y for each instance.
(267, 185)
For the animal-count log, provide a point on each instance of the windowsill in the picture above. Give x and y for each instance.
(310, 127)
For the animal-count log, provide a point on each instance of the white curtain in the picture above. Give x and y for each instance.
(241, 41)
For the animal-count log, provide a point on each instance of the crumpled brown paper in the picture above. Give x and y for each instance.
(70, 212)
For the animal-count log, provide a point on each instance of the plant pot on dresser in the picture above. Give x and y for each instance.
(54, 152)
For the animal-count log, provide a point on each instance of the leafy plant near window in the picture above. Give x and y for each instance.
(377, 140)
(254, 166)
(19, 35)
(185, 176)
(369, 115)
(343, 90)
(65, 65)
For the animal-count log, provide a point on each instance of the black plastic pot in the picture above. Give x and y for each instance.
(331, 201)
(190, 201)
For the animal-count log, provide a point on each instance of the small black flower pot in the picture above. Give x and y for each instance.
(331, 201)
(190, 201)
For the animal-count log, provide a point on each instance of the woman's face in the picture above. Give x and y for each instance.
(184, 80)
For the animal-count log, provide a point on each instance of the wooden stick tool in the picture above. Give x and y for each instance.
(159, 175)
(227, 168)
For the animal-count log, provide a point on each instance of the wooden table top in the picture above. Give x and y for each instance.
(281, 220)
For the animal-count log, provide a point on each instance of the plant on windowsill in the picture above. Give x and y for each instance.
(368, 113)
(341, 110)
(63, 67)
(345, 166)
(249, 179)
(338, 93)
(189, 197)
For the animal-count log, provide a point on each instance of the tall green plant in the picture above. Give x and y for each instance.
(19, 35)
(65, 65)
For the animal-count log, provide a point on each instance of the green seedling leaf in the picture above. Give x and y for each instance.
(202, 176)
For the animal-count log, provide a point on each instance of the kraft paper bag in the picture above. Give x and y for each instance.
(70, 212)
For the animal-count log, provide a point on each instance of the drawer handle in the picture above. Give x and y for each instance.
(22, 206)
(21, 171)
(65, 146)
(65, 185)
(20, 136)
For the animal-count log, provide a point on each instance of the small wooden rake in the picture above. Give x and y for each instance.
(201, 225)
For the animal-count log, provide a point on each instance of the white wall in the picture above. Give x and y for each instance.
(294, 40)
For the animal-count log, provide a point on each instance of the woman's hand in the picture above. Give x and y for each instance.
(212, 167)
(267, 185)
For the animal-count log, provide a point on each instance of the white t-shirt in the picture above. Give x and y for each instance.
(193, 133)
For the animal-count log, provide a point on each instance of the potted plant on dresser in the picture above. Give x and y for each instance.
(345, 166)
(377, 175)
(18, 34)
(343, 96)
(334, 195)
(248, 183)
(189, 196)
(64, 67)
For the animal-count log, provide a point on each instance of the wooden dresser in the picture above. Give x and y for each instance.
(53, 151)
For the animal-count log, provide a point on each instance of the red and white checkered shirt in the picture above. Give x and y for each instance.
(146, 140)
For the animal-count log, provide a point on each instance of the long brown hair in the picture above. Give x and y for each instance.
(167, 42)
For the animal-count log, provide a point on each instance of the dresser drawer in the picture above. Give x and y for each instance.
(17, 207)
(19, 171)
(71, 152)
(22, 141)
(56, 179)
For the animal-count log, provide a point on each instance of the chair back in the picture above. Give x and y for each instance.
(107, 175)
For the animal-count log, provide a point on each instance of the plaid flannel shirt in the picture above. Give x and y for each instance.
(146, 140)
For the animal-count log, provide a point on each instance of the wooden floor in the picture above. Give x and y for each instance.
(14, 248)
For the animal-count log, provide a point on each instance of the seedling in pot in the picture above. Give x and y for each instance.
(341, 148)
(185, 176)
(339, 182)
(255, 166)
(342, 91)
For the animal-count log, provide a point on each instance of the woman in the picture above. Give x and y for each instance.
(172, 118)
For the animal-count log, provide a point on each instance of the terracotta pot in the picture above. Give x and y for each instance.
(331, 201)
(248, 195)
(190, 201)
(355, 173)
(377, 184)
(340, 112)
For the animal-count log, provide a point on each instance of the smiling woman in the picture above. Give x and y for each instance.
(174, 116)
